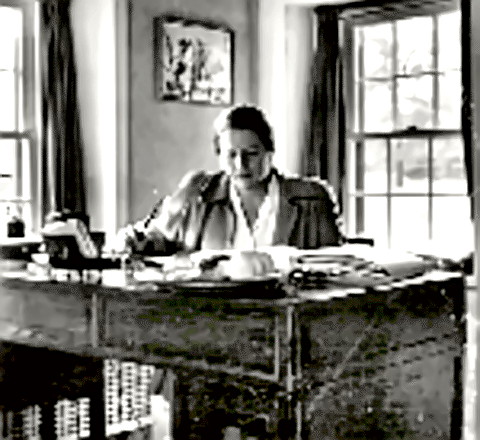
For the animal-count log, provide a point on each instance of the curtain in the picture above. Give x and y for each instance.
(63, 187)
(324, 152)
(467, 121)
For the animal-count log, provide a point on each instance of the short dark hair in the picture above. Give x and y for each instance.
(244, 117)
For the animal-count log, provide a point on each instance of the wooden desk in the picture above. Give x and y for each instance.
(329, 363)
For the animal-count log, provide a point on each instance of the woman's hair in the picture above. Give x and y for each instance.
(244, 117)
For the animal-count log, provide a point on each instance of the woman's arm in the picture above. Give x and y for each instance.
(161, 231)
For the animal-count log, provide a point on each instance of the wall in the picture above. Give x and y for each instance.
(168, 139)
(93, 24)
(299, 49)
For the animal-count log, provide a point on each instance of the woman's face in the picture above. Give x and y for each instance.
(243, 156)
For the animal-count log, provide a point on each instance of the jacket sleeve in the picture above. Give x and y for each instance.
(165, 228)
(319, 222)
(330, 220)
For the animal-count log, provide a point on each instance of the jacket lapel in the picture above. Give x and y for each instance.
(287, 214)
(218, 226)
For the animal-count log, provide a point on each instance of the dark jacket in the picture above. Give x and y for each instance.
(200, 215)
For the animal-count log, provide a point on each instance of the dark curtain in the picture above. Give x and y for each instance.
(467, 122)
(324, 152)
(62, 155)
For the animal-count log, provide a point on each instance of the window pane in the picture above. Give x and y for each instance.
(8, 107)
(7, 169)
(451, 222)
(448, 166)
(378, 50)
(449, 41)
(450, 100)
(409, 221)
(10, 33)
(409, 166)
(7, 153)
(375, 166)
(378, 95)
(414, 36)
(415, 102)
(376, 220)
(7, 187)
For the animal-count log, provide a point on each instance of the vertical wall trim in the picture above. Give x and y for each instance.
(299, 53)
(123, 12)
(272, 72)
(252, 14)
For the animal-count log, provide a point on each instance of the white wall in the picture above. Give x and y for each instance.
(298, 53)
(283, 64)
(93, 24)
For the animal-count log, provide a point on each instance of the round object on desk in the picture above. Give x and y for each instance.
(247, 264)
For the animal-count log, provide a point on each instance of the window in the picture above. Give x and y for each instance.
(407, 182)
(17, 113)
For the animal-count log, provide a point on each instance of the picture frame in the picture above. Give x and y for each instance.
(193, 61)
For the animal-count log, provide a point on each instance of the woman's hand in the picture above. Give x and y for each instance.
(131, 239)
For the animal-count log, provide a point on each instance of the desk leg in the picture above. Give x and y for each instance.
(460, 301)
(97, 320)
(290, 424)
(93, 320)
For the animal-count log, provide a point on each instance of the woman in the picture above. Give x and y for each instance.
(247, 204)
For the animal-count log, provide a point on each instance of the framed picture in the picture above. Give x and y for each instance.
(193, 61)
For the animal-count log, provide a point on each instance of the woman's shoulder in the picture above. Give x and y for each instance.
(306, 187)
(197, 182)
(193, 177)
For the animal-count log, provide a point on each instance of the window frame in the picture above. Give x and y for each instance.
(29, 105)
(356, 135)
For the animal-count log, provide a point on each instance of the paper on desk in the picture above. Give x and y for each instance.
(396, 263)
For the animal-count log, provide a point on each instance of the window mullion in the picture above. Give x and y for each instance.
(360, 187)
(395, 126)
(18, 169)
(436, 74)
(394, 76)
(389, 192)
(361, 82)
(17, 85)
(436, 121)
(430, 187)
(17, 69)
(360, 146)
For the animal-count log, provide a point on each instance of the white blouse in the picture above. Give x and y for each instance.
(261, 233)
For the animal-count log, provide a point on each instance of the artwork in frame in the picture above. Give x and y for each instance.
(193, 61)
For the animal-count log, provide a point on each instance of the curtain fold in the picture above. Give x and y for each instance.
(63, 186)
(467, 122)
(324, 152)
